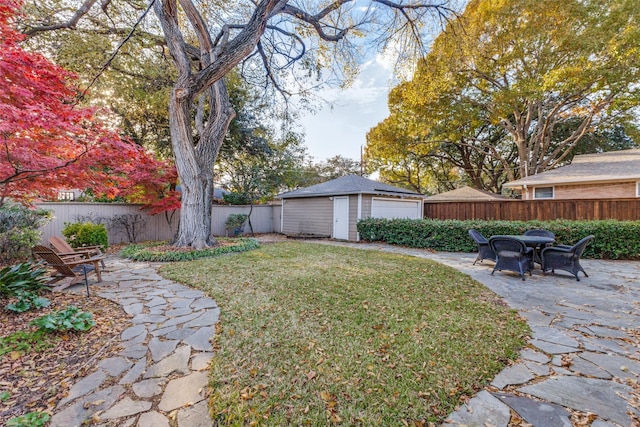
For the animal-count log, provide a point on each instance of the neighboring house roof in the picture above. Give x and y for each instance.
(612, 166)
(350, 184)
(465, 193)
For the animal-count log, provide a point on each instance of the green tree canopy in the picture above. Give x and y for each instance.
(513, 87)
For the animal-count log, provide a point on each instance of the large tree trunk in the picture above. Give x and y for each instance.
(195, 157)
(195, 163)
(194, 229)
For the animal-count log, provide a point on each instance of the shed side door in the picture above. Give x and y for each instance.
(341, 218)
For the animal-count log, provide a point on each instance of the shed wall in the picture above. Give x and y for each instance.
(353, 217)
(308, 216)
(366, 206)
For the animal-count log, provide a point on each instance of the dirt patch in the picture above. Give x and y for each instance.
(267, 238)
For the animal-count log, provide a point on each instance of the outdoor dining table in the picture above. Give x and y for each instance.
(536, 242)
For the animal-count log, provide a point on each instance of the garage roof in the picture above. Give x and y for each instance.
(350, 184)
(465, 193)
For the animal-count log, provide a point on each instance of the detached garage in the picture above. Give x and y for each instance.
(333, 208)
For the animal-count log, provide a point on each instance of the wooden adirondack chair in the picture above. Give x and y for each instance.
(62, 248)
(69, 266)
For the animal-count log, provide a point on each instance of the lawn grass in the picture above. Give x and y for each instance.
(313, 335)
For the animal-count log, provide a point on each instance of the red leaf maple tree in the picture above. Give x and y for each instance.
(49, 143)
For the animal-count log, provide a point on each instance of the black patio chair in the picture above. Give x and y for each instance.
(484, 251)
(512, 255)
(565, 258)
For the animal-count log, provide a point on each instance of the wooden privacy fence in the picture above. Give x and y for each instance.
(264, 218)
(543, 210)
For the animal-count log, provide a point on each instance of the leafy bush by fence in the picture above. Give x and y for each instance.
(614, 239)
(86, 234)
(19, 231)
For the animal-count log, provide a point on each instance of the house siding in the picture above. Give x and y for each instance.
(353, 217)
(366, 205)
(308, 216)
(619, 190)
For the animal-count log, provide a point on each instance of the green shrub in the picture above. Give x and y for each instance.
(69, 319)
(85, 234)
(145, 252)
(27, 301)
(235, 222)
(19, 231)
(236, 198)
(21, 277)
(27, 341)
(613, 239)
(31, 419)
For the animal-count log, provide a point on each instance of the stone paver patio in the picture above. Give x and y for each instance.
(583, 353)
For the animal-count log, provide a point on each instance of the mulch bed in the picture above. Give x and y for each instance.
(37, 381)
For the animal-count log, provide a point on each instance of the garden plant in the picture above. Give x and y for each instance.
(161, 251)
(80, 234)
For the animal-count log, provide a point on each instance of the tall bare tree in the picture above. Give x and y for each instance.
(269, 40)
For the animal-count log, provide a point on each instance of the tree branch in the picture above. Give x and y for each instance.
(70, 24)
(268, 70)
(239, 47)
(115, 52)
(167, 12)
(22, 174)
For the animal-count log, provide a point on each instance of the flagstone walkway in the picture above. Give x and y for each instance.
(160, 376)
(584, 352)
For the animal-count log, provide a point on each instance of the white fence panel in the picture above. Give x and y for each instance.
(263, 218)
(156, 228)
(276, 223)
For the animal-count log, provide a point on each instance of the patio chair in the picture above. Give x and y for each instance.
(565, 258)
(64, 267)
(512, 255)
(61, 247)
(484, 251)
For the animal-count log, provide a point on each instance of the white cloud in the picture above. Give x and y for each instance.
(342, 129)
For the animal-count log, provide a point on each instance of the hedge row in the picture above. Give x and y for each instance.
(613, 239)
(158, 251)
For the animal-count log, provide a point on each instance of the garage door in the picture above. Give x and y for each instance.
(392, 208)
